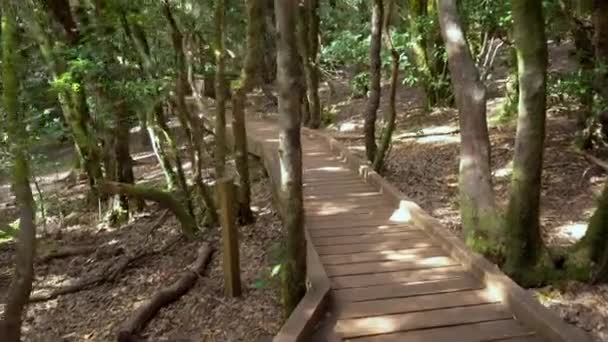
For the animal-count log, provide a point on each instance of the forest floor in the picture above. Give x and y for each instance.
(95, 314)
(423, 164)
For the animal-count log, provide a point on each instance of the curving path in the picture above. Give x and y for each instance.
(392, 280)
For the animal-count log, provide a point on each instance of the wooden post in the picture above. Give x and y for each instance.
(226, 204)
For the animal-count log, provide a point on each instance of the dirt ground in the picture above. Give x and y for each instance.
(423, 164)
(95, 314)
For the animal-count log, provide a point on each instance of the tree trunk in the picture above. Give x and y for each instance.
(387, 132)
(303, 42)
(600, 42)
(416, 11)
(159, 142)
(480, 219)
(313, 56)
(524, 244)
(21, 286)
(309, 37)
(220, 88)
(190, 125)
(293, 270)
(374, 75)
(250, 77)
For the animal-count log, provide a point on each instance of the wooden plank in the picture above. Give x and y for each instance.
(336, 224)
(344, 181)
(349, 189)
(421, 320)
(366, 195)
(369, 247)
(350, 204)
(357, 218)
(485, 331)
(376, 267)
(399, 290)
(379, 212)
(327, 232)
(386, 255)
(344, 282)
(529, 338)
(368, 238)
(414, 304)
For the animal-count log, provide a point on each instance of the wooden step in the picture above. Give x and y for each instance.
(386, 324)
(400, 290)
(364, 280)
(506, 330)
(376, 267)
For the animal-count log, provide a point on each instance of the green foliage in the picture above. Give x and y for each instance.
(9, 233)
(359, 85)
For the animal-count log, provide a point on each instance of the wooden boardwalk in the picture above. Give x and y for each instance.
(390, 280)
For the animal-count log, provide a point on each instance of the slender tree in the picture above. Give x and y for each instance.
(250, 77)
(293, 271)
(220, 87)
(524, 243)
(310, 33)
(480, 218)
(375, 76)
(387, 131)
(600, 43)
(21, 286)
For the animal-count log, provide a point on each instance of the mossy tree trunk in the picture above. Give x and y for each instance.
(524, 244)
(220, 87)
(71, 97)
(164, 199)
(375, 77)
(148, 119)
(389, 126)
(160, 144)
(293, 269)
(480, 219)
(250, 77)
(21, 285)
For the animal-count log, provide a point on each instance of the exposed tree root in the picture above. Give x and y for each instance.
(165, 296)
(67, 252)
(109, 274)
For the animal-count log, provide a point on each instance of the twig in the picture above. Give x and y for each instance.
(165, 296)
